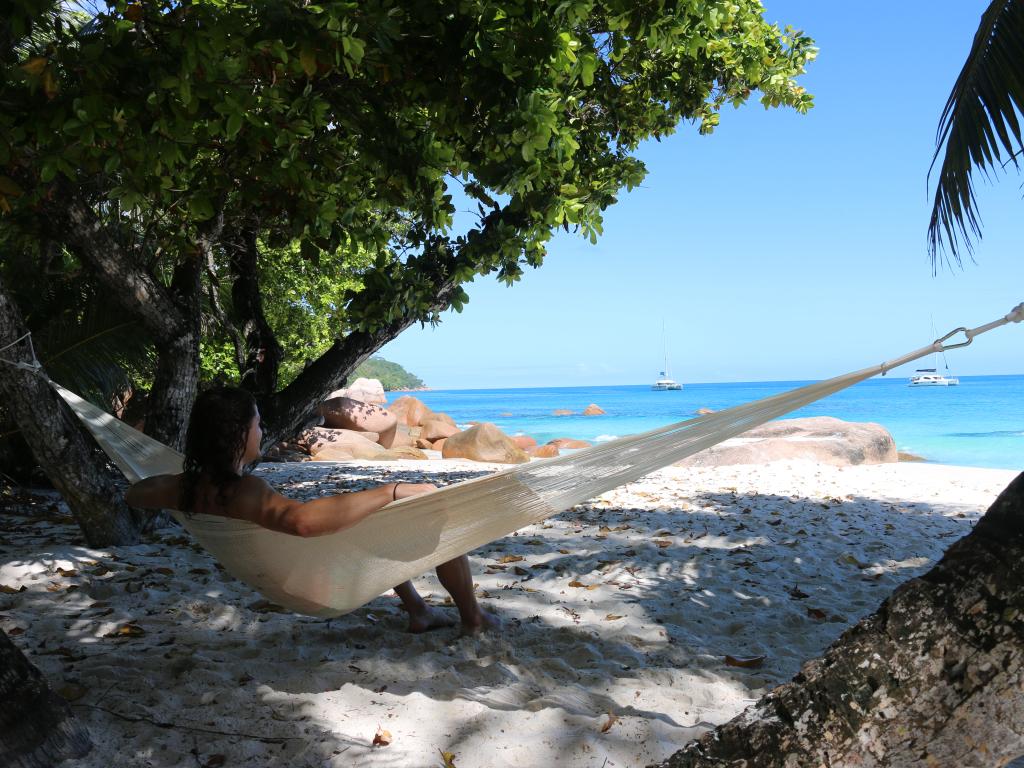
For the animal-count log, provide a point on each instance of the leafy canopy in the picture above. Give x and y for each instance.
(338, 129)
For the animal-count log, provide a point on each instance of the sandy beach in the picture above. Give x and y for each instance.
(624, 621)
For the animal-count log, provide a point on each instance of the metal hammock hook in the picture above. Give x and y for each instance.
(943, 347)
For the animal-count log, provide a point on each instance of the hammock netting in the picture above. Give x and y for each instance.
(334, 574)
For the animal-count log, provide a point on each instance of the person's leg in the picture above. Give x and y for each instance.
(457, 578)
(422, 618)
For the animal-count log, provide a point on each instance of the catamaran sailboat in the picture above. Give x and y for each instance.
(665, 382)
(929, 377)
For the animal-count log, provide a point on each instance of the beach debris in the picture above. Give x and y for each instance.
(12, 590)
(612, 617)
(612, 720)
(215, 761)
(580, 585)
(381, 738)
(851, 560)
(817, 613)
(126, 630)
(511, 559)
(448, 758)
(72, 691)
(797, 594)
(67, 572)
(748, 662)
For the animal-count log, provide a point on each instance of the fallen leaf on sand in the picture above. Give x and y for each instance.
(449, 759)
(510, 559)
(67, 572)
(563, 551)
(796, 594)
(127, 630)
(749, 662)
(164, 571)
(72, 692)
(215, 761)
(381, 738)
(816, 613)
(520, 571)
(12, 590)
(612, 617)
(612, 719)
(662, 543)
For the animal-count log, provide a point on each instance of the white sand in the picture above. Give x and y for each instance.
(678, 570)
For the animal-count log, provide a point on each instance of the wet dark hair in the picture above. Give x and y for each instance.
(217, 432)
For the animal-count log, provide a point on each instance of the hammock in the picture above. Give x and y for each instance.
(331, 575)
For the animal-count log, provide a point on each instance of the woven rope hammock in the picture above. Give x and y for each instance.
(334, 574)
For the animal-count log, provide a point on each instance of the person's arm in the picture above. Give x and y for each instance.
(328, 514)
(157, 492)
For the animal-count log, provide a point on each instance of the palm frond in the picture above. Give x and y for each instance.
(978, 124)
(95, 351)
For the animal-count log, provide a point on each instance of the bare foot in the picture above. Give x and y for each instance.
(485, 622)
(428, 619)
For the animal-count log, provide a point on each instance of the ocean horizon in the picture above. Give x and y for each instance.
(979, 423)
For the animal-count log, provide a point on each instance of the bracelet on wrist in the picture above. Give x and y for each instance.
(394, 495)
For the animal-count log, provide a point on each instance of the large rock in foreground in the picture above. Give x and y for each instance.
(820, 438)
(364, 390)
(338, 444)
(410, 411)
(484, 442)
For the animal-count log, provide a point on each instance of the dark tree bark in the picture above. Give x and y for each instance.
(171, 314)
(60, 444)
(260, 358)
(176, 379)
(37, 728)
(285, 412)
(934, 678)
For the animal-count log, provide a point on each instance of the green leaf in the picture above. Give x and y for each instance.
(10, 187)
(201, 207)
(233, 125)
(307, 58)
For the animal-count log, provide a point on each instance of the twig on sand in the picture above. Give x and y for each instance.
(159, 724)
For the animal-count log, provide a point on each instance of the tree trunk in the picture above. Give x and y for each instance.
(934, 678)
(37, 728)
(68, 456)
(176, 380)
(261, 357)
(170, 314)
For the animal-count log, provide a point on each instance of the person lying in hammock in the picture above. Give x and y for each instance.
(223, 439)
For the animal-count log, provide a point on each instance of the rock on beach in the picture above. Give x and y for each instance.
(484, 442)
(823, 439)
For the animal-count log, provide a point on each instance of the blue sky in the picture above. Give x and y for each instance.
(781, 247)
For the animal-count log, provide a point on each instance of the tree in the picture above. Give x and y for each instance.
(979, 122)
(37, 729)
(182, 151)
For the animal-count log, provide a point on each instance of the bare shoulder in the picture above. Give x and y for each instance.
(254, 498)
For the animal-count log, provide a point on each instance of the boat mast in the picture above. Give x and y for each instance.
(664, 340)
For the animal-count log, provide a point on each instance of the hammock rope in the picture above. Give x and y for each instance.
(334, 574)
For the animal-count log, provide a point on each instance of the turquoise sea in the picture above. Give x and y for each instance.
(979, 423)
